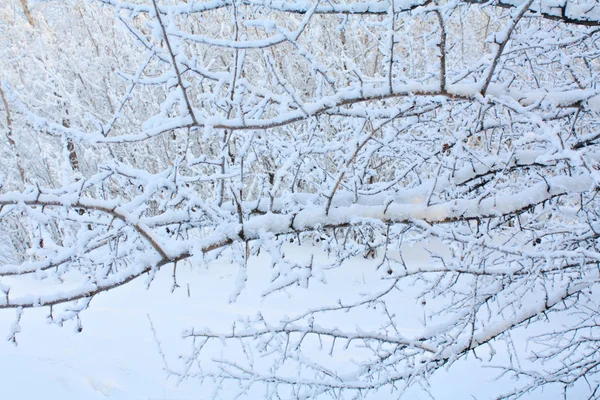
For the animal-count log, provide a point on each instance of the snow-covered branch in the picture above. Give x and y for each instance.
(261, 132)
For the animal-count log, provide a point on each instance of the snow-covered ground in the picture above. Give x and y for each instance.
(116, 355)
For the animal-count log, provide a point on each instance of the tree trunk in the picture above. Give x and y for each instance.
(11, 139)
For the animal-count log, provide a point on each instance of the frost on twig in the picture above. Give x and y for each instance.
(248, 131)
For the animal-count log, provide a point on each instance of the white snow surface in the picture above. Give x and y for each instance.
(116, 355)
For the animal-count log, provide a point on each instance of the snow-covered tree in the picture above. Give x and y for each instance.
(147, 134)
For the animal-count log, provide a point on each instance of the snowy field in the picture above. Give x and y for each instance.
(116, 355)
